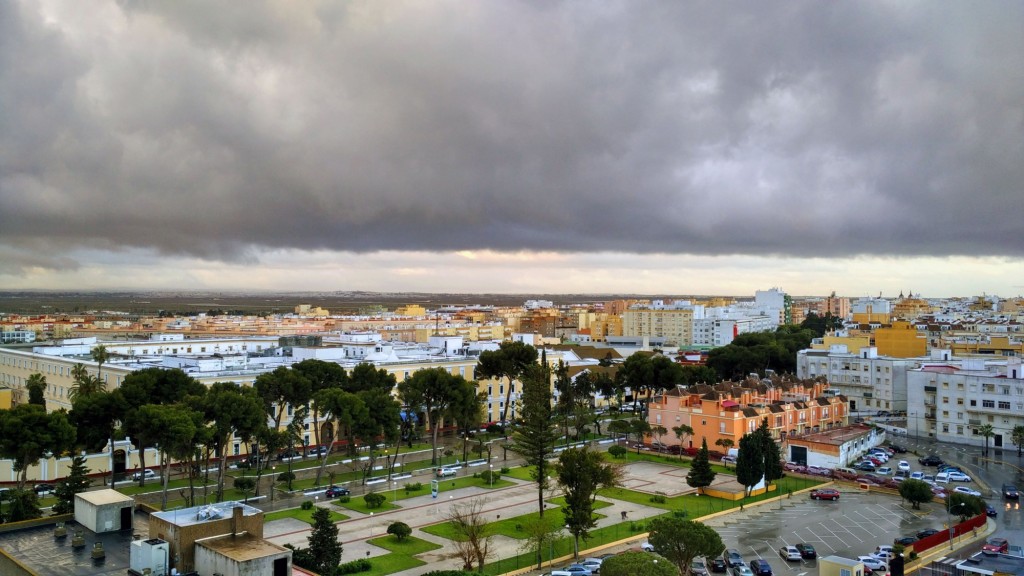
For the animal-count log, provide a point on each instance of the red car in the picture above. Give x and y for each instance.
(825, 494)
(996, 546)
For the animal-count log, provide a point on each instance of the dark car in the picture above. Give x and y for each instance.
(733, 558)
(926, 533)
(866, 466)
(44, 488)
(718, 565)
(825, 494)
(807, 551)
(990, 511)
(904, 540)
(897, 449)
(1010, 491)
(291, 453)
(761, 567)
(335, 491)
(930, 460)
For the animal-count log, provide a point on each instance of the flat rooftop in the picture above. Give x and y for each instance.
(982, 563)
(39, 551)
(835, 436)
(241, 547)
(205, 513)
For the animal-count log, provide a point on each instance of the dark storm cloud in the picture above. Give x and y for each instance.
(797, 129)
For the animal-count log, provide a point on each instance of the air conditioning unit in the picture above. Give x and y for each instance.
(152, 554)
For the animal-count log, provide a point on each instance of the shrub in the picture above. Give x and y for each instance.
(400, 530)
(679, 513)
(617, 451)
(657, 499)
(307, 505)
(490, 476)
(505, 469)
(285, 476)
(374, 500)
(413, 486)
(354, 567)
(344, 499)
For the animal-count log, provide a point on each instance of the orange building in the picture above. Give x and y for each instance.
(727, 411)
(901, 340)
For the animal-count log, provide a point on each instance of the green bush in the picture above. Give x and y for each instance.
(657, 499)
(307, 505)
(679, 513)
(617, 451)
(505, 469)
(344, 499)
(285, 476)
(400, 530)
(413, 486)
(354, 567)
(489, 476)
(374, 500)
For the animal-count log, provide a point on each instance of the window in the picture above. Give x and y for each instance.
(960, 430)
(959, 401)
(945, 428)
(1004, 405)
(945, 414)
(945, 399)
(959, 415)
(988, 404)
(844, 572)
(721, 427)
(974, 403)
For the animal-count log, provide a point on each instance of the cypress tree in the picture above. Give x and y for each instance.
(324, 546)
(77, 481)
(701, 475)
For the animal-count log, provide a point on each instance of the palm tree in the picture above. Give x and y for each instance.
(85, 383)
(987, 431)
(1017, 435)
(100, 355)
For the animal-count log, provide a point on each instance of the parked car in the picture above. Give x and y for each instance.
(760, 567)
(959, 477)
(916, 475)
(336, 491)
(884, 470)
(44, 488)
(728, 460)
(647, 547)
(741, 570)
(903, 465)
(790, 553)
(1010, 492)
(557, 573)
(996, 546)
(825, 494)
(807, 551)
(968, 491)
(884, 552)
(290, 453)
(865, 465)
(698, 568)
(898, 449)
(930, 460)
(926, 533)
(578, 570)
(594, 565)
(317, 451)
(719, 566)
(872, 563)
(732, 557)
(149, 474)
(905, 540)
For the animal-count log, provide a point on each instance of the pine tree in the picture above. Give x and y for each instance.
(76, 482)
(534, 437)
(324, 546)
(700, 475)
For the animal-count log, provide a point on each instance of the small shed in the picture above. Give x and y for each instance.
(839, 566)
(240, 555)
(104, 510)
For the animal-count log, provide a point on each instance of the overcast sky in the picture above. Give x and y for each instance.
(646, 147)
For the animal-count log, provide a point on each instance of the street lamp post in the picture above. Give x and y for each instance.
(490, 476)
(949, 521)
(394, 485)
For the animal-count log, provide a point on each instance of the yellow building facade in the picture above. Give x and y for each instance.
(900, 340)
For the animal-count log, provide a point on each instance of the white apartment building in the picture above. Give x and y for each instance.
(720, 330)
(870, 382)
(950, 399)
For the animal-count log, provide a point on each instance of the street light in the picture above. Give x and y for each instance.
(949, 520)
(491, 475)
(394, 485)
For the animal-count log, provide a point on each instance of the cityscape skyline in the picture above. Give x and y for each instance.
(511, 148)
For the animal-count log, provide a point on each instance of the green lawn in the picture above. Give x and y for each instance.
(696, 506)
(512, 527)
(300, 514)
(400, 556)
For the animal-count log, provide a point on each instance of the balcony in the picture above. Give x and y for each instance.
(930, 389)
(974, 421)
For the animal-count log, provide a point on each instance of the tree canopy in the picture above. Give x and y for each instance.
(680, 541)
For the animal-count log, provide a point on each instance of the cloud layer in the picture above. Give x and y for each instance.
(227, 131)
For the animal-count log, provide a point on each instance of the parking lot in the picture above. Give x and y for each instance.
(850, 527)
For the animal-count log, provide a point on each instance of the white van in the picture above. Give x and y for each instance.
(942, 477)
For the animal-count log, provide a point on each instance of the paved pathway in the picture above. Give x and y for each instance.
(421, 511)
